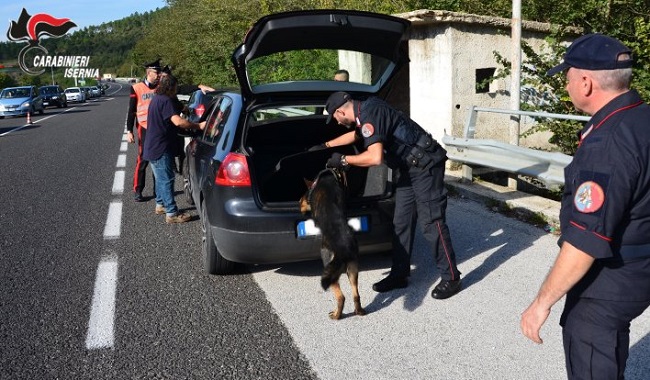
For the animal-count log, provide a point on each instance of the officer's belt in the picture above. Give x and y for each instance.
(630, 252)
(421, 154)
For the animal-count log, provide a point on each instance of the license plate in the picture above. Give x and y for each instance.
(308, 227)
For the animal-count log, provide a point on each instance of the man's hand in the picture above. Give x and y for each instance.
(317, 147)
(202, 125)
(129, 137)
(532, 320)
(337, 161)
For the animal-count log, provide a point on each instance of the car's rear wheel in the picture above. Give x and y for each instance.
(214, 263)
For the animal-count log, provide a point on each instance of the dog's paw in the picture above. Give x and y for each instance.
(360, 311)
(335, 315)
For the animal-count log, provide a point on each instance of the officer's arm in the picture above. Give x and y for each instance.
(344, 139)
(372, 156)
(130, 116)
(570, 266)
(186, 124)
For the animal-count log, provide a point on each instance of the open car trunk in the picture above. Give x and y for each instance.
(280, 161)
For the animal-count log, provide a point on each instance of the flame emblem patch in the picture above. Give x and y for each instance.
(589, 197)
(367, 130)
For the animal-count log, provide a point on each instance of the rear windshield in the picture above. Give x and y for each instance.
(273, 113)
(316, 65)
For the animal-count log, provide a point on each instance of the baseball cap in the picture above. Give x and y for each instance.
(594, 52)
(335, 101)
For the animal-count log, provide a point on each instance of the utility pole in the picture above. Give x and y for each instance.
(515, 81)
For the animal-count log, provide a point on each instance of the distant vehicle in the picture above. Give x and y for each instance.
(53, 95)
(75, 94)
(86, 90)
(95, 92)
(18, 101)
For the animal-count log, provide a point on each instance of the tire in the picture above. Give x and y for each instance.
(187, 183)
(42, 111)
(213, 262)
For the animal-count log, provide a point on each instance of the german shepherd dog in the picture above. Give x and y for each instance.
(325, 198)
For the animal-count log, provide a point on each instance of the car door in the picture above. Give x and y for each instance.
(36, 98)
(209, 147)
(200, 149)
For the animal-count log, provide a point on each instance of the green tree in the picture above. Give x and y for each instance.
(7, 80)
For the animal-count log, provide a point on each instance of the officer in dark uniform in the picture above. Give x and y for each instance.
(604, 262)
(388, 135)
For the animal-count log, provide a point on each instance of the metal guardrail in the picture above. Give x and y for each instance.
(546, 166)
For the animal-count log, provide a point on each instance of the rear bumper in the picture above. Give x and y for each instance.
(246, 234)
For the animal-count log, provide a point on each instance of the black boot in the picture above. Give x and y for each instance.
(389, 283)
(446, 289)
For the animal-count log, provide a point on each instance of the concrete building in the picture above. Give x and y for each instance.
(451, 54)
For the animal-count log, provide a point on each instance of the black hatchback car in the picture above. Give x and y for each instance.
(245, 172)
(53, 95)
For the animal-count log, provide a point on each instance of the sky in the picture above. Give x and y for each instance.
(83, 13)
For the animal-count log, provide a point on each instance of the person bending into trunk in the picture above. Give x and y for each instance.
(390, 136)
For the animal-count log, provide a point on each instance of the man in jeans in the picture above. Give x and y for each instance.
(161, 145)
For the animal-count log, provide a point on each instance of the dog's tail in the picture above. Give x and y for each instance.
(332, 272)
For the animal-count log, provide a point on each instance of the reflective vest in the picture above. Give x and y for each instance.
(144, 95)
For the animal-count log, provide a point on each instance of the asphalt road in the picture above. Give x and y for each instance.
(96, 286)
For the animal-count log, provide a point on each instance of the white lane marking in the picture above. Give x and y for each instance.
(101, 327)
(124, 146)
(14, 130)
(112, 228)
(118, 182)
(34, 121)
(124, 137)
(121, 161)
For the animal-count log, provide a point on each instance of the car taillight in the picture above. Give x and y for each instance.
(233, 171)
(199, 110)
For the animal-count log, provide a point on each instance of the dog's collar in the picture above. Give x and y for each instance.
(338, 174)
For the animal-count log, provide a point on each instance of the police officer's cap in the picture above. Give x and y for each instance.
(335, 101)
(595, 52)
(155, 65)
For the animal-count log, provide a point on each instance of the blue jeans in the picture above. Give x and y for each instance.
(163, 171)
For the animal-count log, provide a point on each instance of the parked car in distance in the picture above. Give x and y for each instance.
(18, 101)
(53, 95)
(75, 94)
(95, 92)
(87, 91)
(245, 172)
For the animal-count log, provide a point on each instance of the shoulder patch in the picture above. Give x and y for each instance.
(367, 130)
(589, 197)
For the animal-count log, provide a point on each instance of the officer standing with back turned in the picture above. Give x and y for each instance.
(388, 135)
(604, 262)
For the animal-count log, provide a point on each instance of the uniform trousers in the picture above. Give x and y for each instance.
(141, 165)
(421, 197)
(596, 335)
